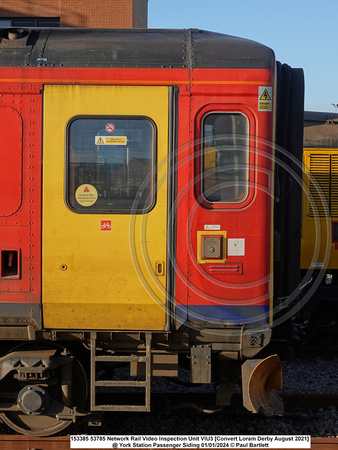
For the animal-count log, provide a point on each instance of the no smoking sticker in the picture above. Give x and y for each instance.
(110, 127)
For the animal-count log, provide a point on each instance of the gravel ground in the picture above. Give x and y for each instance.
(310, 376)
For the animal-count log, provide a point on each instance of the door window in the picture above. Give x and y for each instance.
(111, 164)
(225, 158)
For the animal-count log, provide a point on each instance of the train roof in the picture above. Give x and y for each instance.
(312, 118)
(143, 48)
(320, 129)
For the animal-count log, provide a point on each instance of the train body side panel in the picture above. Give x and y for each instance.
(229, 281)
(20, 204)
(103, 269)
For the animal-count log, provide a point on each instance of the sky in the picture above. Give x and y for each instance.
(302, 33)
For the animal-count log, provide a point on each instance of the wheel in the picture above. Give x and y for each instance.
(39, 397)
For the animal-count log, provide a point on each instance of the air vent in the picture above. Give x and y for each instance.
(334, 186)
(324, 185)
(320, 171)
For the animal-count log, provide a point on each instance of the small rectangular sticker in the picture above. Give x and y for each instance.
(106, 225)
(111, 140)
(265, 98)
(212, 227)
(236, 247)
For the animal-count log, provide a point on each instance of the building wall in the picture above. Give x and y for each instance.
(81, 13)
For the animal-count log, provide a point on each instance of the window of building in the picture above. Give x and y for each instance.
(225, 158)
(111, 164)
(30, 22)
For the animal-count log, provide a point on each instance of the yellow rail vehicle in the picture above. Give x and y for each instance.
(319, 243)
(320, 194)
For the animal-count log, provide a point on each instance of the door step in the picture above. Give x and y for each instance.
(144, 384)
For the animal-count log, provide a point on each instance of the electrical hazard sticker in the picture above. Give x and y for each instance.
(265, 98)
(86, 195)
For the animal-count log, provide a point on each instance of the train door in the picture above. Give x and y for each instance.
(105, 207)
(225, 216)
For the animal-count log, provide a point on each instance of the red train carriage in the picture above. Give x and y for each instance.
(137, 181)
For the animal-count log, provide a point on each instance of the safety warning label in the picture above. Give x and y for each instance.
(86, 195)
(265, 98)
(111, 140)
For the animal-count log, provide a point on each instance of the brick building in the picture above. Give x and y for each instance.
(74, 13)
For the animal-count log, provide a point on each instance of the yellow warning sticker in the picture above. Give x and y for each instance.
(86, 195)
(111, 140)
(116, 140)
(264, 106)
(265, 95)
(265, 98)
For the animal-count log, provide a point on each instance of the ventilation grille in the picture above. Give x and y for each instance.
(334, 186)
(324, 174)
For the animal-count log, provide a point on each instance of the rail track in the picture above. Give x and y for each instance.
(291, 401)
(14, 442)
(309, 402)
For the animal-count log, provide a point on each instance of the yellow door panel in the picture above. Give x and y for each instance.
(104, 263)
